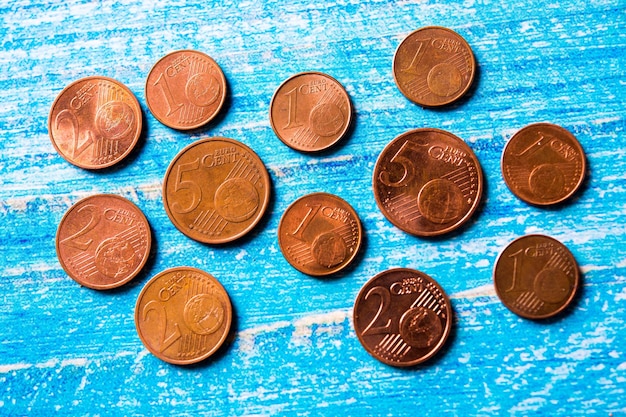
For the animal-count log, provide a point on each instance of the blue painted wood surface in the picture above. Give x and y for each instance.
(69, 350)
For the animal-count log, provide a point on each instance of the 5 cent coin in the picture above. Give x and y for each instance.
(427, 182)
(536, 276)
(543, 164)
(95, 122)
(319, 234)
(183, 315)
(310, 111)
(433, 66)
(402, 317)
(216, 190)
(103, 241)
(185, 89)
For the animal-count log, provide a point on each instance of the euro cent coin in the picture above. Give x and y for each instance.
(185, 89)
(433, 66)
(402, 317)
(95, 122)
(183, 315)
(319, 234)
(543, 164)
(103, 241)
(216, 190)
(536, 276)
(310, 111)
(427, 182)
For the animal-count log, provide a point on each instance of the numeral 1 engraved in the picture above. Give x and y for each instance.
(517, 261)
(421, 49)
(172, 105)
(292, 117)
(305, 221)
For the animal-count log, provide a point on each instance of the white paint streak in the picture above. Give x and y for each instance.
(4, 369)
(487, 290)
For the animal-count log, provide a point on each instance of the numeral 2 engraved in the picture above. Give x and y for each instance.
(77, 148)
(292, 116)
(385, 301)
(305, 221)
(94, 219)
(164, 340)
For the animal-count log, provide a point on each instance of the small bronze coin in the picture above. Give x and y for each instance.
(183, 315)
(185, 89)
(310, 111)
(433, 66)
(216, 190)
(103, 241)
(427, 182)
(319, 234)
(402, 317)
(543, 164)
(536, 276)
(95, 122)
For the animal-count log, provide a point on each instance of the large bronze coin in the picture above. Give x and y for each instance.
(402, 317)
(183, 315)
(536, 276)
(319, 234)
(310, 111)
(95, 122)
(185, 89)
(543, 164)
(103, 241)
(427, 182)
(216, 190)
(433, 66)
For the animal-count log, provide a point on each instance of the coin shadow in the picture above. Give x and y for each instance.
(465, 98)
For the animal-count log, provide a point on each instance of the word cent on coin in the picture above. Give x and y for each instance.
(95, 122)
(402, 317)
(103, 241)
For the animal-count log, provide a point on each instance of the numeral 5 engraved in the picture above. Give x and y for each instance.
(408, 166)
(191, 186)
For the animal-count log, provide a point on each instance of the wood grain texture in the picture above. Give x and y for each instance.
(73, 351)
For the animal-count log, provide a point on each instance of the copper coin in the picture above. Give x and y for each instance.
(95, 122)
(433, 66)
(427, 182)
(319, 234)
(310, 111)
(183, 315)
(185, 89)
(536, 276)
(402, 317)
(216, 190)
(103, 241)
(543, 164)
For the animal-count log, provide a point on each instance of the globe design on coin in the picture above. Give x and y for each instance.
(204, 313)
(236, 200)
(115, 120)
(115, 257)
(552, 285)
(203, 89)
(420, 327)
(329, 249)
(444, 79)
(326, 119)
(547, 181)
(440, 201)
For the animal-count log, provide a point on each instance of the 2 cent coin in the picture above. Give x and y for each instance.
(402, 317)
(216, 190)
(185, 89)
(543, 164)
(536, 276)
(427, 182)
(183, 315)
(433, 66)
(95, 122)
(103, 241)
(319, 234)
(310, 111)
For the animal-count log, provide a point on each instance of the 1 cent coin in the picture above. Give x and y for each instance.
(536, 276)
(95, 122)
(433, 66)
(216, 190)
(310, 111)
(427, 182)
(103, 241)
(543, 164)
(183, 315)
(185, 89)
(319, 234)
(402, 317)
